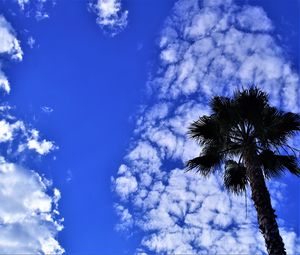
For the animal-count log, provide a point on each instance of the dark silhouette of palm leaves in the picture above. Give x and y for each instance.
(236, 123)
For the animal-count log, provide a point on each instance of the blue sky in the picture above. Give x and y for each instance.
(99, 102)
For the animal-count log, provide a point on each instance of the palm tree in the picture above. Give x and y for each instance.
(250, 138)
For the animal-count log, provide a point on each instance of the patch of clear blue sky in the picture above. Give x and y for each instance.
(95, 83)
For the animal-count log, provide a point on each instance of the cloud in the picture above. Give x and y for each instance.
(9, 46)
(206, 49)
(12, 130)
(41, 147)
(216, 51)
(37, 8)
(31, 42)
(29, 216)
(47, 109)
(4, 83)
(28, 213)
(126, 185)
(110, 15)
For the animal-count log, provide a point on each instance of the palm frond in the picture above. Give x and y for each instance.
(205, 164)
(205, 129)
(274, 165)
(276, 126)
(224, 111)
(235, 178)
(220, 104)
(250, 103)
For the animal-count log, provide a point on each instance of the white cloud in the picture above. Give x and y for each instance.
(126, 185)
(110, 15)
(35, 7)
(10, 46)
(206, 50)
(218, 56)
(246, 21)
(7, 130)
(4, 83)
(8, 42)
(27, 138)
(125, 217)
(41, 147)
(27, 212)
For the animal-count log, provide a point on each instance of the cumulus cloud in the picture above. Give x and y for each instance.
(206, 49)
(110, 15)
(126, 185)
(7, 130)
(27, 214)
(41, 147)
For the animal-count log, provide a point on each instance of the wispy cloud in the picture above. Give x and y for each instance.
(110, 15)
(31, 42)
(47, 109)
(36, 8)
(206, 50)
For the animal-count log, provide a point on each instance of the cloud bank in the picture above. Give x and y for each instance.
(207, 48)
(110, 16)
(29, 216)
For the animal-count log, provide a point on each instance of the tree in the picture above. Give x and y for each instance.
(250, 138)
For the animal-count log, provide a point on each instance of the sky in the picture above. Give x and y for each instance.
(96, 99)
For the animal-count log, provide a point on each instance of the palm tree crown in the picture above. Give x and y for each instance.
(237, 124)
(248, 136)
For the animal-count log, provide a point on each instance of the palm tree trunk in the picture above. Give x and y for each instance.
(262, 202)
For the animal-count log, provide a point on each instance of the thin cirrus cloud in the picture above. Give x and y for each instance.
(111, 18)
(205, 50)
(29, 213)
